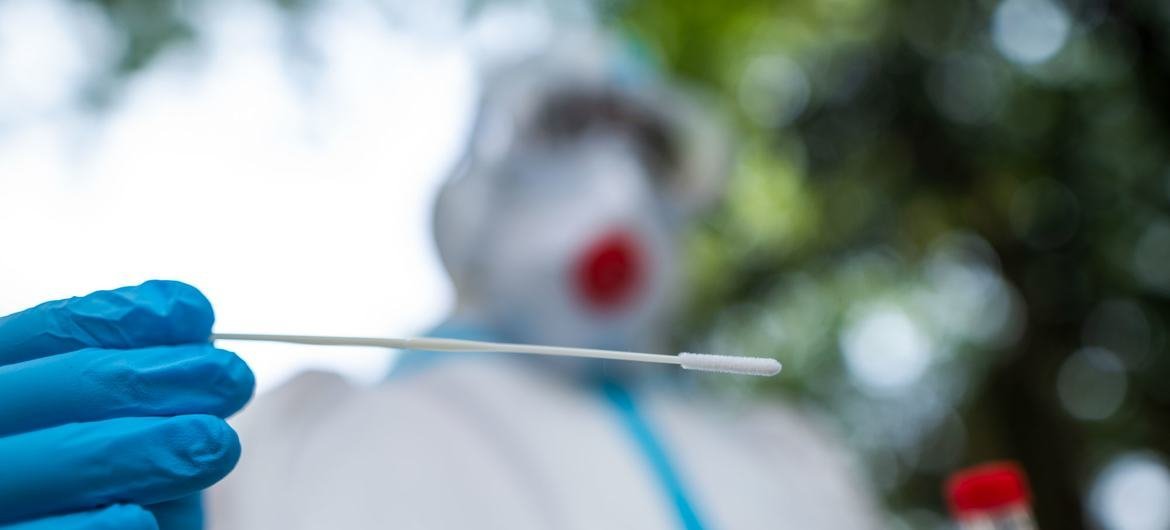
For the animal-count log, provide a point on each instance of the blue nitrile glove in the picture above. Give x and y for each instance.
(111, 410)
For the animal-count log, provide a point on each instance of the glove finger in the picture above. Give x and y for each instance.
(156, 313)
(92, 384)
(116, 517)
(180, 514)
(81, 466)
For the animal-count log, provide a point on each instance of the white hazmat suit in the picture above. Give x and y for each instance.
(558, 227)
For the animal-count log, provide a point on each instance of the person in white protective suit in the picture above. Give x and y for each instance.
(559, 226)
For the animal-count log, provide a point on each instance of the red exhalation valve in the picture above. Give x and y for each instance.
(993, 496)
(609, 272)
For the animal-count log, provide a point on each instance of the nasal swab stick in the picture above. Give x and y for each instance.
(689, 361)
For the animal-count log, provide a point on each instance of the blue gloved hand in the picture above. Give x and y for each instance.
(111, 410)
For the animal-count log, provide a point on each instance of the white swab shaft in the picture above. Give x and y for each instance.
(690, 361)
(452, 345)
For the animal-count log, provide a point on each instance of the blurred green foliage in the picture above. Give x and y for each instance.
(907, 163)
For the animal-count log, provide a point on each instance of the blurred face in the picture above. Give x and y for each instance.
(579, 250)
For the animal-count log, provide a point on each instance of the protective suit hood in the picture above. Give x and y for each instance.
(559, 224)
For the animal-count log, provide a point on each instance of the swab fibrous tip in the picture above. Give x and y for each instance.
(729, 364)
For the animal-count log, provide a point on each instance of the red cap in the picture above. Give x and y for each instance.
(988, 487)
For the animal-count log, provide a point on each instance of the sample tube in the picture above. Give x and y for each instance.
(992, 496)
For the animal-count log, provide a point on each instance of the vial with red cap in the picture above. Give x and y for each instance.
(992, 496)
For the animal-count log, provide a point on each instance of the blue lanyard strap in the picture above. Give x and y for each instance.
(637, 427)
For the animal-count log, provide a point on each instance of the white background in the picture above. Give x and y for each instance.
(297, 208)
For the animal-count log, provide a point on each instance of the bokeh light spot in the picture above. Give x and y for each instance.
(1132, 493)
(1029, 31)
(1151, 254)
(885, 350)
(965, 297)
(968, 88)
(1091, 384)
(773, 90)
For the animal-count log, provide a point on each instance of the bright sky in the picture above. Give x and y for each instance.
(295, 211)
